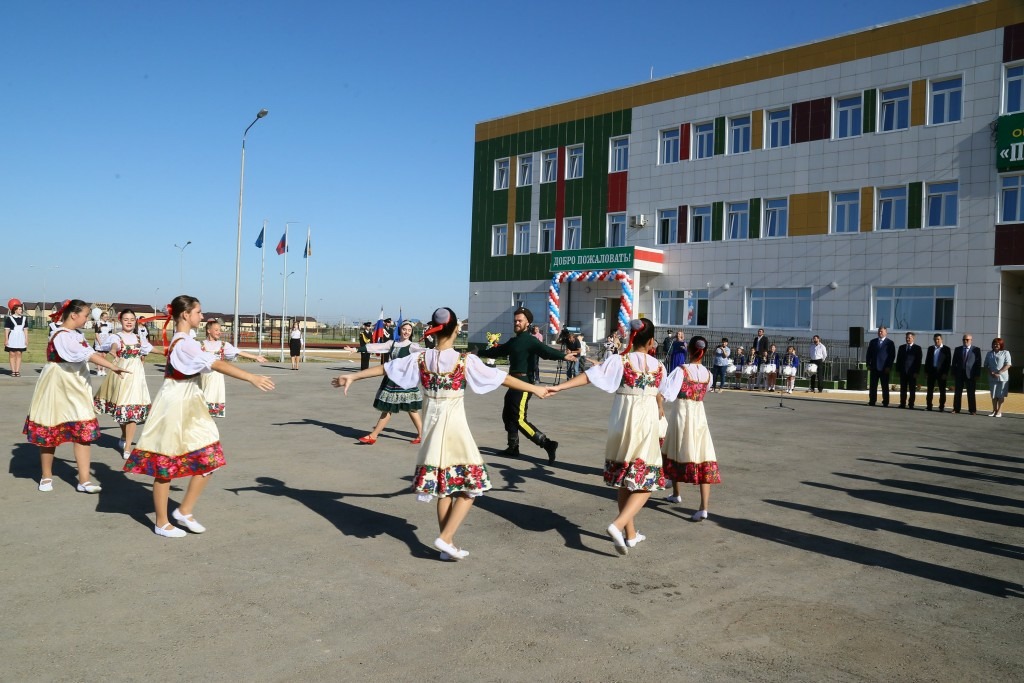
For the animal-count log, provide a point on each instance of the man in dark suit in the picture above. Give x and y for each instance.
(760, 344)
(881, 354)
(908, 363)
(966, 366)
(936, 367)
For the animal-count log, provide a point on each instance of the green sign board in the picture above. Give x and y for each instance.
(592, 259)
(1010, 143)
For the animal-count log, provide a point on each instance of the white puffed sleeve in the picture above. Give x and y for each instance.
(482, 378)
(404, 372)
(188, 357)
(671, 385)
(71, 346)
(380, 347)
(608, 375)
(108, 345)
(145, 348)
(230, 352)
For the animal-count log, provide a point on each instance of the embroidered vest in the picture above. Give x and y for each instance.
(437, 381)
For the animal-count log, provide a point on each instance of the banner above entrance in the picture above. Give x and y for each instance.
(626, 258)
(1010, 143)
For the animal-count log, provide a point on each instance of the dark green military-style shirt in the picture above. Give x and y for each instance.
(518, 350)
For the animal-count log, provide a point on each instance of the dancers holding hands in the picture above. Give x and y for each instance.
(62, 408)
(449, 465)
(633, 461)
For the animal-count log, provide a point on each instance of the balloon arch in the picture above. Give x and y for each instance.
(625, 299)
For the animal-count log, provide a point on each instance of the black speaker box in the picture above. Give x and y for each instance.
(856, 337)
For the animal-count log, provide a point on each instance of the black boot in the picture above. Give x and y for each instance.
(513, 446)
(548, 445)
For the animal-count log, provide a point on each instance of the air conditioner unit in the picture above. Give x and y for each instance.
(638, 221)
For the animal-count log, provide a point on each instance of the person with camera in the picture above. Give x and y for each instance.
(573, 346)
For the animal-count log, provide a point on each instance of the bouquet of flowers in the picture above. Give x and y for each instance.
(492, 340)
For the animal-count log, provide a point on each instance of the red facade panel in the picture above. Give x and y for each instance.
(684, 141)
(684, 224)
(1009, 250)
(617, 191)
(1013, 43)
(812, 120)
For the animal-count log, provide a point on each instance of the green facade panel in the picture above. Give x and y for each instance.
(755, 218)
(586, 197)
(719, 136)
(717, 220)
(914, 195)
(870, 110)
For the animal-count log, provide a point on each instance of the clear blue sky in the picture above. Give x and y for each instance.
(121, 127)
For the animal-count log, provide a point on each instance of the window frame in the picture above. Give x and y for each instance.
(1019, 190)
(839, 110)
(932, 82)
(499, 239)
(1005, 90)
(612, 222)
(927, 204)
(502, 170)
(614, 154)
(803, 298)
(881, 201)
(771, 124)
(705, 222)
(766, 221)
(708, 136)
(548, 166)
(574, 223)
(574, 161)
(546, 230)
(518, 241)
(891, 318)
(744, 131)
(665, 299)
(661, 216)
(835, 203)
(524, 163)
(663, 157)
(730, 211)
(901, 105)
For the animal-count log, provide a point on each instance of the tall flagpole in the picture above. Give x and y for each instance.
(284, 296)
(263, 268)
(305, 296)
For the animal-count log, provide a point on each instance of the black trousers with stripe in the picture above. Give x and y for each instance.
(514, 416)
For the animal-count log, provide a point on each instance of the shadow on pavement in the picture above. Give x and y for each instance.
(941, 491)
(963, 463)
(947, 472)
(535, 518)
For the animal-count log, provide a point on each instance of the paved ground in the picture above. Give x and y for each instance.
(846, 543)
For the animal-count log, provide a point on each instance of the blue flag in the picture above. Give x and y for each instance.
(259, 240)
(398, 326)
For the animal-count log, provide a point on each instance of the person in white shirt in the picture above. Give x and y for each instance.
(722, 359)
(817, 356)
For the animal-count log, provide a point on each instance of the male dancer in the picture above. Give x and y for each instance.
(520, 351)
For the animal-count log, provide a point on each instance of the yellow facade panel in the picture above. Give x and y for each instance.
(808, 214)
(757, 129)
(867, 209)
(918, 100)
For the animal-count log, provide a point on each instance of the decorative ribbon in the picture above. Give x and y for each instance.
(60, 313)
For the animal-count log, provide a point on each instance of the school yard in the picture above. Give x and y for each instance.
(846, 543)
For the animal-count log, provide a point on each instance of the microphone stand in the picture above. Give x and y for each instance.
(782, 393)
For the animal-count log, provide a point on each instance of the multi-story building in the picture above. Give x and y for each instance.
(875, 178)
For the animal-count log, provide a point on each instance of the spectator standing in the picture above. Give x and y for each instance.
(966, 366)
(936, 367)
(677, 351)
(760, 345)
(15, 335)
(722, 355)
(881, 354)
(666, 345)
(908, 364)
(535, 367)
(573, 346)
(365, 337)
(997, 362)
(817, 356)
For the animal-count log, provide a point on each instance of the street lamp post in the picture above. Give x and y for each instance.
(284, 309)
(156, 301)
(181, 266)
(44, 269)
(238, 245)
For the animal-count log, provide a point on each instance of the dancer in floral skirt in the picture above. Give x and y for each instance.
(212, 383)
(126, 399)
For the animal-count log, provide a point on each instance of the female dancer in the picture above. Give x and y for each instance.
(61, 407)
(689, 452)
(126, 399)
(212, 383)
(392, 398)
(771, 367)
(448, 465)
(294, 345)
(741, 363)
(15, 335)
(180, 438)
(790, 366)
(632, 453)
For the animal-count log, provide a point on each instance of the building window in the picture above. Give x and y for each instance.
(573, 233)
(700, 224)
(941, 205)
(738, 220)
(574, 162)
(522, 244)
(1012, 206)
(687, 307)
(776, 217)
(501, 174)
(499, 240)
(845, 212)
(917, 309)
(619, 155)
(892, 208)
(547, 237)
(549, 166)
(525, 171)
(849, 113)
(668, 146)
(704, 140)
(616, 230)
(668, 226)
(1014, 89)
(895, 109)
(739, 134)
(778, 128)
(947, 97)
(786, 308)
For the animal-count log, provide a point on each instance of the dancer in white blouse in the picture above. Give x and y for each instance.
(126, 399)
(212, 383)
(449, 464)
(632, 459)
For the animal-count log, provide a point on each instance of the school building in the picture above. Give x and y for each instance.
(874, 178)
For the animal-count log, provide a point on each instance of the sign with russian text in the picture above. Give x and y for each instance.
(1010, 143)
(592, 259)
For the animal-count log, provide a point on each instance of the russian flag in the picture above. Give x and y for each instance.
(378, 329)
(282, 246)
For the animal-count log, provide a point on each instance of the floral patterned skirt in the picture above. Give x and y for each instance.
(449, 460)
(212, 384)
(179, 439)
(61, 408)
(632, 449)
(693, 472)
(689, 452)
(635, 476)
(124, 397)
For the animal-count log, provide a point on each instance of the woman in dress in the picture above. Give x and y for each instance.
(997, 362)
(295, 344)
(392, 398)
(770, 367)
(741, 363)
(448, 465)
(180, 439)
(677, 351)
(212, 383)
(15, 335)
(688, 449)
(61, 407)
(126, 398)
(632, 458)
(790, 367)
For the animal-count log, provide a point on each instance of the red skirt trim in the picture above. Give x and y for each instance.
(85, 431)
(693, 472)
(202, 461)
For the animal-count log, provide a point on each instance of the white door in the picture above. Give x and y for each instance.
(600, 320)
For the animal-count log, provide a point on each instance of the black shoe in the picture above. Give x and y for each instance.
(551, 446)
(928, 408)
(510, 452)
